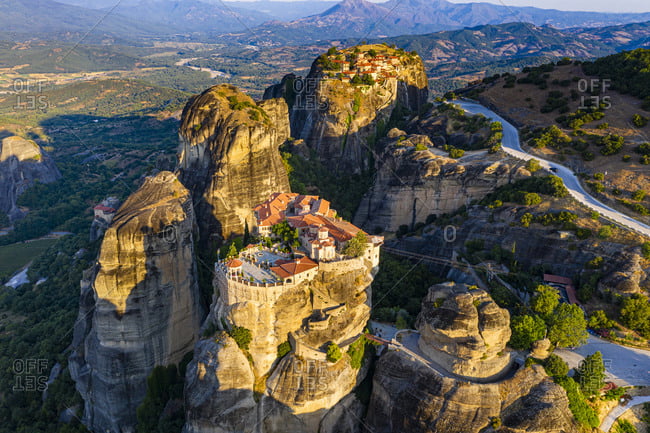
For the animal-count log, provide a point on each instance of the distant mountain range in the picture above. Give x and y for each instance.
(363, 19)
(259, 21)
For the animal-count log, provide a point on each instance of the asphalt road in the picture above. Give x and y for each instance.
(612, 416)
(512, 146)
(625, 365)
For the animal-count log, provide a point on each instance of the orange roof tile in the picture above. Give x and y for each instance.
(286, 268)
(234, 263)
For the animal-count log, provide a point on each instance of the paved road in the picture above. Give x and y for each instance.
(512, 146)
(625, 365)
(611, 417)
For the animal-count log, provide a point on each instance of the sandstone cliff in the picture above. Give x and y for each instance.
(22, 162)
(229, 158)
(463, 329)
(139, 304)
(300, 392)
(411, 185)
(337, 116)
(409, 397)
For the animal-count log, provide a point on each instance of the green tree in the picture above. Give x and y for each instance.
(456, 153)
(567, 326)
(533, 165)
(545, 300)
(531, 199)
(526, 219)
(357, 245)
(599, 320)
(591, 374)
(635, 314)
(555, 366)
(639, 121)
(334, 352)
(242, 336)
(605, 232)
(525, 331)
(4, 219)
(639, 195)
(645, 250)
(232, 251)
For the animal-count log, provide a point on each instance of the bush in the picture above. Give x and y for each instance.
(531, 199)
(357, 245)
(283, 349)
(533, 165)
(595, 263)
(242, 336)
(334, 352)
(599, 320)
(605, 232)
(639, 195)
(356, 352)
(639, 121)
(419, 147)
(555, 366)
(599, 176)
(456, 153)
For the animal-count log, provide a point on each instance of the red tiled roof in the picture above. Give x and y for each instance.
(234, 263)
(549, 278)
(285, 269)
(271, 212)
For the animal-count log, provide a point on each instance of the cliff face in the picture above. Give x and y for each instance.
(22, 162)
(410, 184)
(300, 392)
(409, 397)
(139, 304)
(455, 325)
(229, 158)
(337, 116)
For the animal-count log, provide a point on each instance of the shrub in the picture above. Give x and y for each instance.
(334, 352)
(596, 186)
(357, 245)
(599, 176)
(639, 121)
(456, 153)
(356, 352)
(420, 147)
(599, 320)
(605, 232)
(526, 219)
(555, 366)
(531, 199)
(645, 250)
(533, 165)
(638, 195)
(594, 263)
(242, 336)
(284, 348)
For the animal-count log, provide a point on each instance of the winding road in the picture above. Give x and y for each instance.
(512, 146)
(615, 413)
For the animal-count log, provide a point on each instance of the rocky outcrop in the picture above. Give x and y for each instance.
(465, 331)
(22, 162)
(627, 277)
(408, 396)
(338, 118)
(461, 331)
(229, 158)
(139, 304)
(301, 392)
(412, 184)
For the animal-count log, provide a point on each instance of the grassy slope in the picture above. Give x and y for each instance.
(15, 256)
